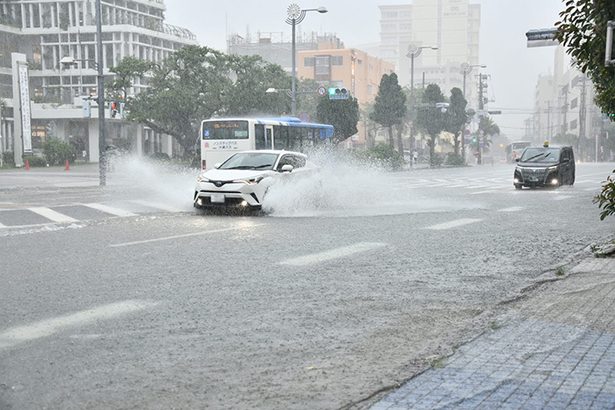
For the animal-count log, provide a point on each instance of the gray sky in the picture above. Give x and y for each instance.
(513, 67)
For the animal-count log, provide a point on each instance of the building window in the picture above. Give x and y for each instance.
(574, 103)
(337, 60)
(322, 68)
(308, 62)
(573, 124)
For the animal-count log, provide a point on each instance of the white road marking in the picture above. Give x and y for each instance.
(157, 205)
(21, 334)
(453, 224)
(489, 191)
(561, 197)
(186, 235)
(592, 189)
(52, 215)
(332, 254)
(109, 209)
(511, 209)
(2, 226)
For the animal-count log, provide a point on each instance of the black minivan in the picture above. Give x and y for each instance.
(545, 167)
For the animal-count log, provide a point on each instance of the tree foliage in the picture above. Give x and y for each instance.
(456, 116)
(196, 83)
(430, 119)
(390, 104)
(342, 114)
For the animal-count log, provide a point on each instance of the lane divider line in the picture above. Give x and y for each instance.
(333, 254)
(109, 209)
(511, 209)
(186, 235)
(453, 224)
(44, 328)
(51, 214)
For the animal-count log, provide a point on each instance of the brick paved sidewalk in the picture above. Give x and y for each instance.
(553, 349)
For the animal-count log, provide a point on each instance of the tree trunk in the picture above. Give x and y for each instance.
(400, 142)
(391, 136)
(432, 146)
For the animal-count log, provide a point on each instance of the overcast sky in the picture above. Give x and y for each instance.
(513, 67)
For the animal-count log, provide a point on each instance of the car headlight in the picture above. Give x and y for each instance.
(201, 178)
(250, 181)
(553, 168)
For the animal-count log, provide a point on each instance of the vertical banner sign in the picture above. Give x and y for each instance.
(24, 93)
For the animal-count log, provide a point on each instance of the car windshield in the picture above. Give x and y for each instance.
(250, 160)
(540, 155)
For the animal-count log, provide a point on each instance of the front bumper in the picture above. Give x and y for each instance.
(229, 195)
(535, 177)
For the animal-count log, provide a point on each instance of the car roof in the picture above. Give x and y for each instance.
(271, 151)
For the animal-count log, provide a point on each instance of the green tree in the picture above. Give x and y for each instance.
(342, 114)
(196, 83)
(57, 151)
(390, 106)
(430, 119)
(456, 116)
(487, 128)
(126, 72)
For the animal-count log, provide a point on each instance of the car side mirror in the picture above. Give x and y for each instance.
(286, 168)
(217, 165)
(517, 159)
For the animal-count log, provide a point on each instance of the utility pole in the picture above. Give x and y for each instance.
(481, 107)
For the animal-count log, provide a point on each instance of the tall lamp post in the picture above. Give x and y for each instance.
(98, 64)
(295, 15)
(466, 69)
(415, 52)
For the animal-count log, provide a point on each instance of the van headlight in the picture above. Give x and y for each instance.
(201, 178)
(553, 168)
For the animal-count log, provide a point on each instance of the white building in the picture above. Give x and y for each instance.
(43, 32)
(451, 25)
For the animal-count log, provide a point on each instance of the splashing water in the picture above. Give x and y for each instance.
(155, 181)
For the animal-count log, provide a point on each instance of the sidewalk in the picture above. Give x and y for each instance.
(553, 348)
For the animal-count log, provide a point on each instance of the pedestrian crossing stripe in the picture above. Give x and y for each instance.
(109, 209)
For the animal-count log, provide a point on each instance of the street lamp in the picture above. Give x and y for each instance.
(466, 69)
(295, 15)
(102, 166)
(415, 52)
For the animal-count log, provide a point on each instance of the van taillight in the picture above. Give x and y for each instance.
(203, 164)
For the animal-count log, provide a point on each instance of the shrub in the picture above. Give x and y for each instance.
(35, 161)
(160, 156)
(382, 155)
(57, 151)
(8, 159)
(606, 198)
(454, 160)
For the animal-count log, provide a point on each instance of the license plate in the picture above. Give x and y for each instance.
(217, 198)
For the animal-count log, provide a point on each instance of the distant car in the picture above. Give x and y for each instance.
(545, 167)
(243, 179)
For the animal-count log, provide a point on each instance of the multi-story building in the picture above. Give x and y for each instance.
(349, 68)
(450, 25)
(564, 109)
(43, 32)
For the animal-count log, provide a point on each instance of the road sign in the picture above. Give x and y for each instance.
(338, 93)
(543, 37)
(322, 91)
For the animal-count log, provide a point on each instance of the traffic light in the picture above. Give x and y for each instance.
(113, 109)
(338, 93)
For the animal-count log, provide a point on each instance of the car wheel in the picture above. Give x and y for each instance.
(518, 186)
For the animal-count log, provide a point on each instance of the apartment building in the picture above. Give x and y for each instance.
(38, 34)
(450, 25)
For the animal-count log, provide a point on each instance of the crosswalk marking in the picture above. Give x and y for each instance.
(109, 209)
(453, 224)
(52, 215)
(489, 191)
(562, 197)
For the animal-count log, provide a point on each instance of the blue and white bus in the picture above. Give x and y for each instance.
(222, 137)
